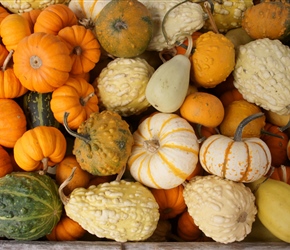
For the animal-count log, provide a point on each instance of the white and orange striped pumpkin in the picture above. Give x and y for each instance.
(237, 159)
(165, 151)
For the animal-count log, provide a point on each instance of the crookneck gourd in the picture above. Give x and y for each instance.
(103, 143)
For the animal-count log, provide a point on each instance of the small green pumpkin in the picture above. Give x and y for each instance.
(103, 143)
(30, 205)
(124, 28)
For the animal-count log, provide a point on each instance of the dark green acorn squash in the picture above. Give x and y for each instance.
(30, 206)
(37, 110)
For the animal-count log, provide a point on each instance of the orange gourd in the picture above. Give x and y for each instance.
(277, 146)
(12, 122)
(54, 18)
(77, 97)
(31, 17)
(186, 228)
(281, 173)
(84, 47)
(43, 63)
(10, 86)
(13, 29)
(39, 148)
(3, 13)
(3, 54)
(202, 108)
(66, 230)
(6, 166)
(170, 201)
(80, 178)
(230, 95)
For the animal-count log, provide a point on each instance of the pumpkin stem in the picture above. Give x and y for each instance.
(208, 10)
(86, 139)
(63, 197)
(77, 50)
(88, 23)
(265, 132)
(84, 100)
(7, 60)
(45, 166)
(151, 145)
(243, 123)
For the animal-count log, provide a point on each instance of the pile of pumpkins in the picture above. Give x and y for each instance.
(124, 109)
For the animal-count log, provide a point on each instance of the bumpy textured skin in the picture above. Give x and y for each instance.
(122, 211)
(21, 6)
(109, 146)
(224, 210)
(262, 74)
(30, 205)
(121, 86)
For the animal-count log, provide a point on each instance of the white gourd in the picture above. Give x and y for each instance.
(224, 210)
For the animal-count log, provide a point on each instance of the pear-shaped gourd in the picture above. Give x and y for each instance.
(167, 87)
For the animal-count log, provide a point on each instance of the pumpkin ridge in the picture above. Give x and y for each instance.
(206, 151)
(226, 157)
(181, 147)
(179, 129)
(148, 172)
(248, 170)
(261, 146)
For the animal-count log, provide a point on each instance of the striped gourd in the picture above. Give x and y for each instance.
(30, 205)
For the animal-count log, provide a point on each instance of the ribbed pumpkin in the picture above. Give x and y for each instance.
(103, 143)
(236, 159)
(170, 201)
(124, 28)
(40, 147)
(12, 122)
(13, 29)
(31, 17)
(3, 54)
(84, 47)
(281, 173)
(165, 151)
(10, 86)
(77, 97)
(54, 18)
(30, 205)
(6, 166)
(43, 63)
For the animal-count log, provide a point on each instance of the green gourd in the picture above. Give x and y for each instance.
(30, 206)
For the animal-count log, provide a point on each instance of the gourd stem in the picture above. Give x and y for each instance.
(243, 123)
(282, 129)
(63, 197)
(45, 166)
(189, 47)
(7, 60)
(84, 100)
(207, 7)
(71, 132)
(120, 175)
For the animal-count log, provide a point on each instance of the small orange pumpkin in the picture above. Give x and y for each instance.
(230, 95)
(31, 17)
(80, 178)
(202, 108)
(54, 18)
(43, 63)
(84, 47)
(13, 29)
(12, 122)
(281, 173)
(77, 97)
(66, 230)
(277, 146)
(39, 148)
(170, 201)
(3, 13)
(6, 166)
(3, 54)
(186, 228)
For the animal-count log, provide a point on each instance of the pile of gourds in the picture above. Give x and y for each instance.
(139, 123)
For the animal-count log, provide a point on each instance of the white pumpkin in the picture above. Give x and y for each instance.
(165, 151)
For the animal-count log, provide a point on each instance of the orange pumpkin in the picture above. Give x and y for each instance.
(13, 29)
(186, 228)
(54, 18)
(12, 122)
(77, 97)
(84, 47)
(281, 173)
(3, 54)
(197, 171)
(202, 108)
(39, 148)
(10, 86)
(3, 13)
(80, 178)
(66, 230)
(43, 63)
(277, 146)
(31, 17)
(6, 166)
(230, 95)
(170, 201)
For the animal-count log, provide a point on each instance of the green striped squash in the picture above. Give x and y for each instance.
(37, 109)
(30, 206)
